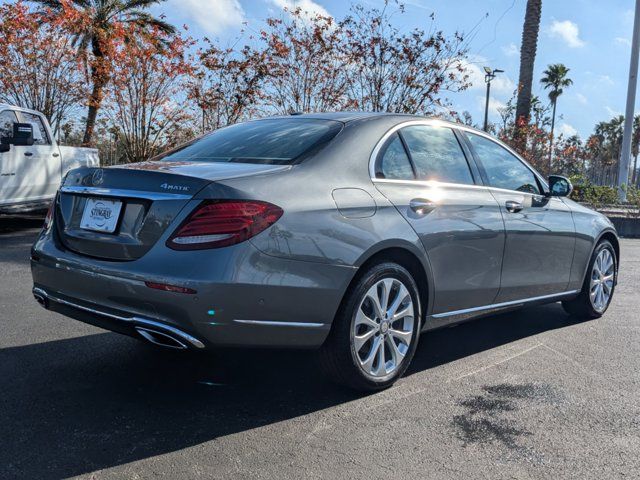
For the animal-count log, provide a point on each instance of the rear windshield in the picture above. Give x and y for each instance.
(273, 141)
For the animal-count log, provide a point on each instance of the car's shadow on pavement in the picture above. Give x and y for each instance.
(74, 406)
(16, 223)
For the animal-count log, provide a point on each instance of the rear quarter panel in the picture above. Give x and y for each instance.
(332, 211)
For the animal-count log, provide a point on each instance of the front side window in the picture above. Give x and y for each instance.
(503, 169)
(40, 136)
(273, 141)
(436, 154)
(394, 163)
(7, 119)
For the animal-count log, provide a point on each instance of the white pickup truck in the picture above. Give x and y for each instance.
(32, 164)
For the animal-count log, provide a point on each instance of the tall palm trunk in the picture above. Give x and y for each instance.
(99, 78)
(553, 124)
(95, 99)
(527, 58)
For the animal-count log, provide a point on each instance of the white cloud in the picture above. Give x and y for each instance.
(582, 99)
(307, 6)
(511, 50)
(211, 16)
(612, 112)
(606, 79)
(567, 130)
(567, 31)
(622, 41)
(501, 84)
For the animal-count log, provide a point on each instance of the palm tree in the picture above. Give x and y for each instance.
(95, 36)
(527, 59)
(555, 78)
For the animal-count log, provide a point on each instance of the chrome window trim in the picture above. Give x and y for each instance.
(503, 304)
(434, 122)
(118, 192)
(426, 122)
(511, 151)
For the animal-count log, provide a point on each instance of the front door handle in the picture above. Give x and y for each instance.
(513, 207)
(421, 206)
(28, 154)
(55, 155)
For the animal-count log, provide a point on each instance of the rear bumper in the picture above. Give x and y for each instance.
(244, 297)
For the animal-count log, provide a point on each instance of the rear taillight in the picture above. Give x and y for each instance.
(220, 223)
(49, 216)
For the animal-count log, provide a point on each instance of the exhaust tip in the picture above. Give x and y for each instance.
(161, 339)
(41, 298)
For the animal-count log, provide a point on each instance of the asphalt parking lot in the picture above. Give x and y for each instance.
(531, 394)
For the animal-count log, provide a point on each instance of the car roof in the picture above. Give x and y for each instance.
(350, 117)
(6, 106)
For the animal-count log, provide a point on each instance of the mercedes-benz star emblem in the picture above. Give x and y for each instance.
(97, 177)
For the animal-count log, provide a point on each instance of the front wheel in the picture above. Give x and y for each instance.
(599, 284)
(375, 333)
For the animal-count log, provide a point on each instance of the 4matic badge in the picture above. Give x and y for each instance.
(180, 188)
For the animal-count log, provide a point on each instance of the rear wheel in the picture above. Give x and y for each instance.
(599, 284)
(375, 333)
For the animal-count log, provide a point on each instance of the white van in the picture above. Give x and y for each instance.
(32, 164)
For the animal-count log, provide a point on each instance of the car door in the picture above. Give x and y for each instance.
(540, 233)
(422, 169)
(40, 167)
(8, 160)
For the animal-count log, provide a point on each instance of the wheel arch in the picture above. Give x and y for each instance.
(612, 237)
(408, 256)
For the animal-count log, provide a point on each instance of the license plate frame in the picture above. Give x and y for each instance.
(101, 215)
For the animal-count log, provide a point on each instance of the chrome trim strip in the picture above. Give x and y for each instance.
(135, 320)
(503, 304)
(272, 323)
(431, 183)
(119, 192)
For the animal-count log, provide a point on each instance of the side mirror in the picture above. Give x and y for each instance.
(5, 147)
(559, 186)
(22, 134)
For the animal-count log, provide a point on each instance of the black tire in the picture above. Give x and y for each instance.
(582, 306)
(337, 356)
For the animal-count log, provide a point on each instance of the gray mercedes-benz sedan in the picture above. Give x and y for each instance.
(350, 233)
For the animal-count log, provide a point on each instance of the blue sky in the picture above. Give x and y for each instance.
(591, 37)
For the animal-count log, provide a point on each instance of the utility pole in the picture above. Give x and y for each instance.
(625, 156)
(490, 75)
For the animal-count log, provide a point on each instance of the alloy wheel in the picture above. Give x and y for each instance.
(602, 278)
(382, 329)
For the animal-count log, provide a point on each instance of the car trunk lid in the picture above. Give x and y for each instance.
(120, 213)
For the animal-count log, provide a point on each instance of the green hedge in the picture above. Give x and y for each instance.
(600, 195)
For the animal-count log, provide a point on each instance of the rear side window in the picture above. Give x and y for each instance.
(503, 169)
(394, 163)
(436, 154)
(272, 141)
(40, 136)
(7, 119)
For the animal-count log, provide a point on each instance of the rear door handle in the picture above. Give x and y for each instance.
(513, 207)
(421, 206)
(28, 154)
